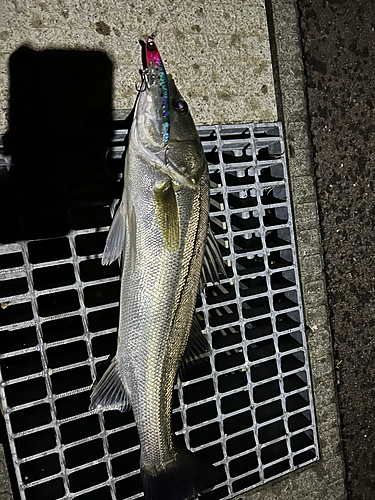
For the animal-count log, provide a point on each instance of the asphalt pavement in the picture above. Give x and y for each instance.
(338, 39)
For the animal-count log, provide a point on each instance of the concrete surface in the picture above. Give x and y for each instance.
(5, 486)
(222, 43)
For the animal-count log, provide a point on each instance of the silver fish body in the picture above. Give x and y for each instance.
(158, 295)
(161, 226)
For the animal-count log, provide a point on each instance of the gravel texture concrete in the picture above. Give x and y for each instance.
(5, 486)
(225, 44)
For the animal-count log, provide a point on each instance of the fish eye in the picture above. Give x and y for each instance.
(151, 45)
(180, 106)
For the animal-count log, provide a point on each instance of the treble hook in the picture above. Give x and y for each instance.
(141, 87)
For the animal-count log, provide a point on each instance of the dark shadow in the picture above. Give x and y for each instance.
(60, 129)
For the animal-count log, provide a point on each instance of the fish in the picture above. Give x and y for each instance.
(161, 230)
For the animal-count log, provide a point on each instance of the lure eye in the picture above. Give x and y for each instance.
(151, 45)
(180, 106)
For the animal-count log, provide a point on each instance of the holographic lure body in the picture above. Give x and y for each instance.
(157, 81)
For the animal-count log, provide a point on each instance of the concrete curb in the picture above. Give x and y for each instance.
(326, 477)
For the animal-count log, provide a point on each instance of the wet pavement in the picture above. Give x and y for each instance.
(338, 39)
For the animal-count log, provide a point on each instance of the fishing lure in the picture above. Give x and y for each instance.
(157, 81)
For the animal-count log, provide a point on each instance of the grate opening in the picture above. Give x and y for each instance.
(71, 353)
(50, 490)
(297, 401)
(246, 482)
(10, 260)
(274, 452)
(268, 411)
(21, 366)
(84, 453)
(13, 287)
(25, 392)
(263, 392)
(15, 340)
(245, 198)
(30, 418)
(42, 467)
(246, 407)
(70, 406)
(116, 440)
(271, 432)
(88, 477)
(49, 250)
(35, 443)
(53, 277)
(97, 494)
(276, 469)
(240, 444)
(246, 463)
(17, 313)
(240, 176)
(58, 303)
(304, 457)
(91, 270)
(62, 329)
(235, 133)
(70, 380)
(104, 319)
(128, 487)
(232, 380)
(258, 328)
(273, 195)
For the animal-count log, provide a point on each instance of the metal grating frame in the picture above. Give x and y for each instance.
(248, 407)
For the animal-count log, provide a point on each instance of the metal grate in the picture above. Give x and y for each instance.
(247, 407)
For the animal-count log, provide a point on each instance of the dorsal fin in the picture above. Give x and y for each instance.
(197, 343)
(212, 262)
(109, 393)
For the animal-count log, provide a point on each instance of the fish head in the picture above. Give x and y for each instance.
(186, 160)
(163, 129)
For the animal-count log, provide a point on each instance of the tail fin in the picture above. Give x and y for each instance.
(184, 480)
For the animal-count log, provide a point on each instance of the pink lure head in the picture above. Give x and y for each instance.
(152, 53)
(157, 81)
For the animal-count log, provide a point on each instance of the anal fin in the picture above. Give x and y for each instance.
(110, 393)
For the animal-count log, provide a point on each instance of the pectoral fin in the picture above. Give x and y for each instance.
(167, 215)
(116, 237)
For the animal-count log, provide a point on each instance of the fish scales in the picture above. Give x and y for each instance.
(157, 305)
